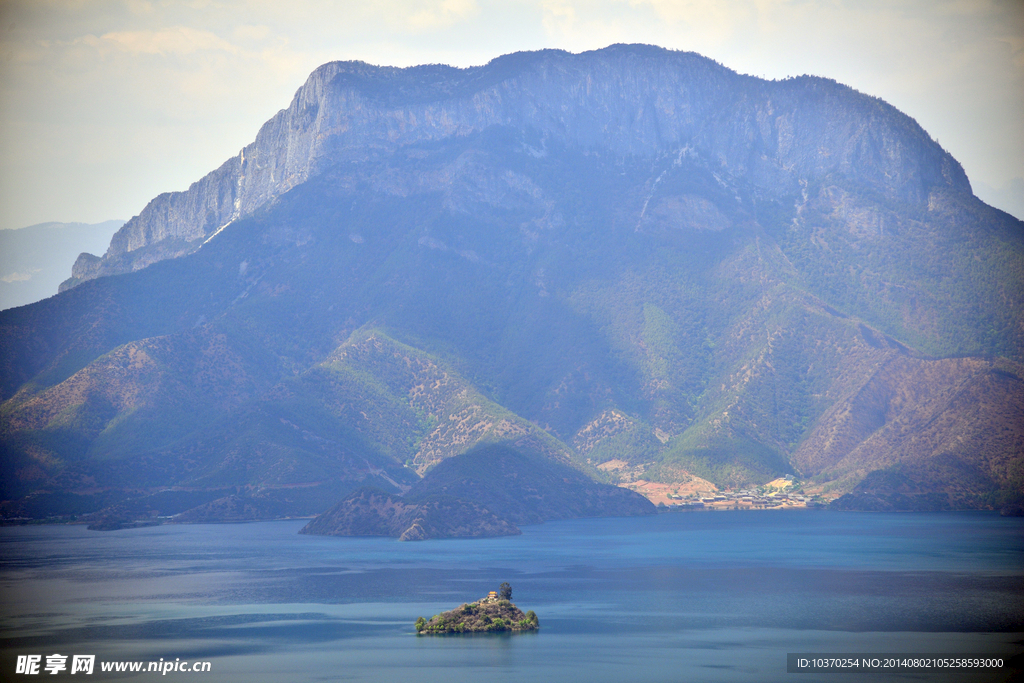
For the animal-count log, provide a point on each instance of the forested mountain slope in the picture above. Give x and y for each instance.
(630, 254)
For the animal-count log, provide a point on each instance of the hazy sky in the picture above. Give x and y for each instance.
(106, 103)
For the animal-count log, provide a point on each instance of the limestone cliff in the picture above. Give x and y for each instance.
(625, 100)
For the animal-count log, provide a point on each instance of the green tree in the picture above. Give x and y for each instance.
(420, 624)
(505, 591)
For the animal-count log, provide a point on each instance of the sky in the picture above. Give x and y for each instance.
(105, 104)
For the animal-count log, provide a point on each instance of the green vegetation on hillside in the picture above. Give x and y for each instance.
(489, 615)
(735, 304)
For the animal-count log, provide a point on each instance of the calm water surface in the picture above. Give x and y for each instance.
(715, 596)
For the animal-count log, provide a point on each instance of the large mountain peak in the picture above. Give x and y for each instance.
(628, 101)
(632, 260)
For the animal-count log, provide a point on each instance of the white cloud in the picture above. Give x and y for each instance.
(441, 14)
(140, 7)
(559, 18)
(251, 33)
(175, 40)
(712, 22)
(19, 277)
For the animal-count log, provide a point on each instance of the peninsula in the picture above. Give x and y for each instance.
(495, 613)
(487, 491)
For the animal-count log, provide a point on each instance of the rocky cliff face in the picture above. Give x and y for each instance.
(625, 101)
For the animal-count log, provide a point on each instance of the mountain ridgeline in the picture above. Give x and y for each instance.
(631, 255)
(629, 102)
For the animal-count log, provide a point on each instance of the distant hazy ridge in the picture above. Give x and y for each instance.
(35, 260)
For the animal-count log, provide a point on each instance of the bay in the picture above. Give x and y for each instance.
(696, 596)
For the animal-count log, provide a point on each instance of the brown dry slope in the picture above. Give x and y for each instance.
(937, 434)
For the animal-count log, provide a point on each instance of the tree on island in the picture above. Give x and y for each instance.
(505, 591)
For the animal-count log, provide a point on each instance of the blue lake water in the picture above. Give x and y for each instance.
(713, 596)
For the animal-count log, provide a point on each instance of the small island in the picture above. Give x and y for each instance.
(495, 613)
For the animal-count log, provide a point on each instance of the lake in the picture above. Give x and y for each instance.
(694, 596)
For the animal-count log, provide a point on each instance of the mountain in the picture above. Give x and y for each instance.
(486, 491)
(628, 101)
(372, 512)
(35, 260)
(525, 488)
(631, 255)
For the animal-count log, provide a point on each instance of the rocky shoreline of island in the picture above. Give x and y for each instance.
(493, 614)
